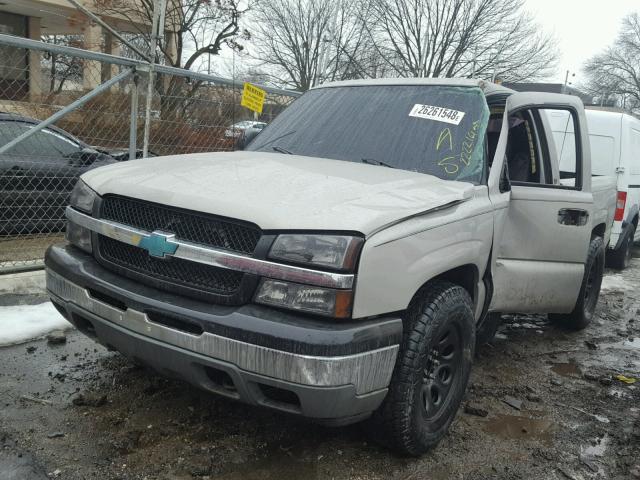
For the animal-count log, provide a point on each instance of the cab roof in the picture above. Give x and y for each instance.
(488, 88)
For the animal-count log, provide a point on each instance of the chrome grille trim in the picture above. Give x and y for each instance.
(215, 257)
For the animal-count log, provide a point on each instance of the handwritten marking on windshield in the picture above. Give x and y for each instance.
(444, 136)
(449, 164)
(469, 143)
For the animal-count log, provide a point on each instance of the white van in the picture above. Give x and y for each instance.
(615, 151)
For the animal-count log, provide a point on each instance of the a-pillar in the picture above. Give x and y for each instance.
(92, 70)
(35, 57)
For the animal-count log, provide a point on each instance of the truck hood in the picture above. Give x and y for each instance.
(281, 192)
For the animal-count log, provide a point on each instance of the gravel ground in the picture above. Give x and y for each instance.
(543, 404)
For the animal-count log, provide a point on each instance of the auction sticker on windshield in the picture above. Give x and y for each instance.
(439, 114)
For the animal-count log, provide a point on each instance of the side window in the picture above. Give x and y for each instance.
(58, 143)
(564, 150)
(523, 150)
(43, 144)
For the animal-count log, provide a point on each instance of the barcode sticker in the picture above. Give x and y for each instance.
(439, 114)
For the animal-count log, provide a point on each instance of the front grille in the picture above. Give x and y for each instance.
(189, 226)
(172, 270)
(176, 275)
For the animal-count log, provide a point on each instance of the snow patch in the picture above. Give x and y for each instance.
(21, 323)
(615, 282)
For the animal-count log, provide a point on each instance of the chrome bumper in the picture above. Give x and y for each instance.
(367, 371)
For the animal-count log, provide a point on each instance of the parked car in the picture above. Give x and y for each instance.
(614, 137)
(38, 175)
(121, 155)
(342, 267)
(237, 129)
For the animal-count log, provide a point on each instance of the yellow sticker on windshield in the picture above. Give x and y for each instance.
(439, 114)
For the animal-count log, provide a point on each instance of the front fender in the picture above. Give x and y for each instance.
(396, 263)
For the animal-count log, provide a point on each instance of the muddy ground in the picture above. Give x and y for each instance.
(76, 411)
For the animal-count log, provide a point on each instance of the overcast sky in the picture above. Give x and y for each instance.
(582, 27)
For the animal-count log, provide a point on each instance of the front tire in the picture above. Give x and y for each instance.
(431, 372)
(585, 307)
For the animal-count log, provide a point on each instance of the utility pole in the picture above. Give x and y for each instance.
(566, 81)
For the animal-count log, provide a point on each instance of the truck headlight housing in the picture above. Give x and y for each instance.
(325, 252)
(82, 198)
(306, 298)
(336, 252)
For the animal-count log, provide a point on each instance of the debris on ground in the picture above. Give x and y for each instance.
(57, 337)
(591, 345)
(474, 410)
(90, 399)
(513, 402)
(627, 380)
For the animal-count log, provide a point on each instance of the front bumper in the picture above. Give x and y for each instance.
(334, 372)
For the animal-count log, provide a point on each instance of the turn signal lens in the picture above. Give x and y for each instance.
(305, 298)
(79, 236)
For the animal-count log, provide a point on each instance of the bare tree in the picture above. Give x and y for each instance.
(300, 43)
(62, 68)
(614, 75)
(447, 38)
(304, 42)
(194, 29)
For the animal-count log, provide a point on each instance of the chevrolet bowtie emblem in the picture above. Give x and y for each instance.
(159, 244)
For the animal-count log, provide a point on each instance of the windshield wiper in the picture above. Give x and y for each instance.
(281, 150)
(274, 140)
(371, 161)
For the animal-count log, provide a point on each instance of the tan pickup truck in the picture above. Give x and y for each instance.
(345, 265)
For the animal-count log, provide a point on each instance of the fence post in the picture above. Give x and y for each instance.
(133, 128)
(158, 9)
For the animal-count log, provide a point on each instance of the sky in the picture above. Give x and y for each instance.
(582, 28)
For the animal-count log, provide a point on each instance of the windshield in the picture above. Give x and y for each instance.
(428, 129)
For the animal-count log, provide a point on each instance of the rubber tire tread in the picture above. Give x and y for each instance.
(578, 319)
(616, 258)
(393, 424)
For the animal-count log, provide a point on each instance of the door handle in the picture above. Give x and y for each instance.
(574, 217)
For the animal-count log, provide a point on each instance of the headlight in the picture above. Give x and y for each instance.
(338, 252)
(306, 298)
(83, 197)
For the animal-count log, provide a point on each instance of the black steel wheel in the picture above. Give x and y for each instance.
(432, 370)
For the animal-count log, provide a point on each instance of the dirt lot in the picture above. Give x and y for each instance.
(75, 411)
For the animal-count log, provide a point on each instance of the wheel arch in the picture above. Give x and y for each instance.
(599, 230)
(466, 276)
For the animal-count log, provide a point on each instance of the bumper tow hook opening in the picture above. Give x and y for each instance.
(221, 378)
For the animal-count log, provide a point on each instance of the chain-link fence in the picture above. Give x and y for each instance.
(98, 105)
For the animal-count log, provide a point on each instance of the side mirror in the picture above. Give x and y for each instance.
(246, 137)
(505, 184)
